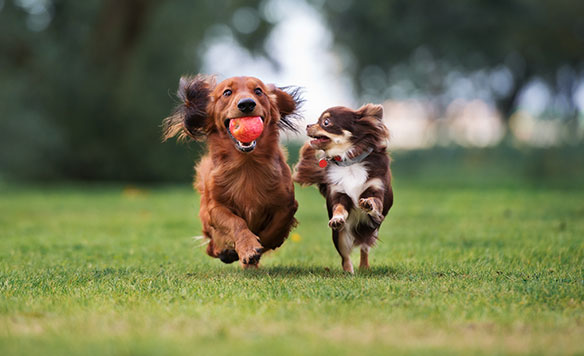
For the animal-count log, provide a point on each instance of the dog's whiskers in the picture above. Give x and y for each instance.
(201, 237)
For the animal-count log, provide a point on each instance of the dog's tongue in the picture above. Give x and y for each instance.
(246, 129)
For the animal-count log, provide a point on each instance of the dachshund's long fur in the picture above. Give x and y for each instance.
(247, 194)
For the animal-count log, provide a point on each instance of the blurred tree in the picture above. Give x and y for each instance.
(85, 84)
(426, 44)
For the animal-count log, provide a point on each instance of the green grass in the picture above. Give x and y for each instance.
(103, 270)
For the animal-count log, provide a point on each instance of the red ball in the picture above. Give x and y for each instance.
(246, 129)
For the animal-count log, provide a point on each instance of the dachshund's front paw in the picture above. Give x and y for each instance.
(249, 250)
(252, 257)
(337, 223)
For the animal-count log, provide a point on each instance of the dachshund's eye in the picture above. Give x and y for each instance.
(326, 122)
(258, 91)
(227, 92)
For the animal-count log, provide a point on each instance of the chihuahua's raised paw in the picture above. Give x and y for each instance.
(337, 223)
(372, 208)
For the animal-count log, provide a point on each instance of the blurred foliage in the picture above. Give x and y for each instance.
(83, 97)
(422, 43)
(84, 85)
(500, 166)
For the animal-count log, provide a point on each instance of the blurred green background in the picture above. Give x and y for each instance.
(470, 86)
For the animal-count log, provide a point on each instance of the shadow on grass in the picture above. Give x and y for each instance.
(207, 272)
(301, 271)
(393, 272)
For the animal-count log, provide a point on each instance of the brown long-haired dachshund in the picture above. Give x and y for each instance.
(247, 194)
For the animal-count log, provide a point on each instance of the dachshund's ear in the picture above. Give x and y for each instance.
(190, 118)
(371, 110)
(288, 101)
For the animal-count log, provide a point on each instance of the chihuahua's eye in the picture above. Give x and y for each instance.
(227, 92)
(326, 122)
(258, 91)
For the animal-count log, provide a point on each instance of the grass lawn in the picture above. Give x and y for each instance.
(474, 269)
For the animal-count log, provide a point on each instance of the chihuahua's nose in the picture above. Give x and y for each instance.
(307, 127)
(246, 105)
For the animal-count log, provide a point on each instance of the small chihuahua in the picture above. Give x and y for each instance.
(347, 160)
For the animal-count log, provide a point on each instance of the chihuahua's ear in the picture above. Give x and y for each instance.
(288, 101)
(370, 120)
(190, 118)
(371, 110)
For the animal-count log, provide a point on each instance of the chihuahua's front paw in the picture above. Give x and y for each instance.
(372, 207)
(367, 204)
(337, 223)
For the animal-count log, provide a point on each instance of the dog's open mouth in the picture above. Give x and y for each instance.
(318, 140)
(245, 132)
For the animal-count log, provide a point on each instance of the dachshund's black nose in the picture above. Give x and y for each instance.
(246, 105)
(307, 127)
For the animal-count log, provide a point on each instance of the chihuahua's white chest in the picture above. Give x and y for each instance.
(348, 179)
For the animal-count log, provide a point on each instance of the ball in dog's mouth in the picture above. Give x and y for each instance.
(244, 131)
